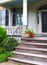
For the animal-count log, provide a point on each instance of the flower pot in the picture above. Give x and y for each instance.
(31, 35)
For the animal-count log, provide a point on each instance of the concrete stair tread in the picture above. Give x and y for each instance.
(35, 62)
(33, 43)
(35, 38)
(36, 49)
(31, 54)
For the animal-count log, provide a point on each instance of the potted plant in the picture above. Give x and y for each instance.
(30, 33)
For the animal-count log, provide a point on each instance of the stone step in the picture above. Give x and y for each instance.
(44, 44)
(31, 56)
(26, 38)
(32, 44)
(35, 39)
(28, 62)
(31, 50)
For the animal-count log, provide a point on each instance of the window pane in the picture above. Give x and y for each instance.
(3, 22)
(7, 18)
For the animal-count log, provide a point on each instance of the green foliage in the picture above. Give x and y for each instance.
(6, 45)
(28, 30)
(10, 43)
(2, 50)
(2, 58)
(3, 33)
(10, 54)
(19, 64)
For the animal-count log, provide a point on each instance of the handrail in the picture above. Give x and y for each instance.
(15, 31)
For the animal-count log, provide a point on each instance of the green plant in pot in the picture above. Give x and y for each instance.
(30, 33)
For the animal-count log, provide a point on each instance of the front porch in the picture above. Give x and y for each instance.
(25, 14)
(19, 15)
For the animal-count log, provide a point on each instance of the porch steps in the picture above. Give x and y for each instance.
(36, 39)
(33, 44)
(37, 49)
(29, 62)
(31, 51)
(31, 56)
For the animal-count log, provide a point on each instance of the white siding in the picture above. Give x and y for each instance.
(32, 21)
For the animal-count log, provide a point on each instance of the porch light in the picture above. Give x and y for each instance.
(2, 1)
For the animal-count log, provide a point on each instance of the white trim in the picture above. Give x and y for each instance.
(10, 18)
(40, 22)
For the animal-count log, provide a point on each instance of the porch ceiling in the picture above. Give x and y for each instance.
(13, 3)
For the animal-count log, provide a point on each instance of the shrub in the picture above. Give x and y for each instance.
(3, 57)
(10, 54)
(2, 50)
(10, 43)
(3, 34)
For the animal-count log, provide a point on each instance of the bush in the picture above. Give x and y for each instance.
(3, 57)
(10, 54)
(2, 50)
(3, 34)
(10, 43)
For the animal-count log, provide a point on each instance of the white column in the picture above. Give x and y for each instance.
(10, 18)
(24, 12)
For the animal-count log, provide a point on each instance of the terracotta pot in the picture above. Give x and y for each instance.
(31, 35)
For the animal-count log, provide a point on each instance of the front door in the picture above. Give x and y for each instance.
(44, 21)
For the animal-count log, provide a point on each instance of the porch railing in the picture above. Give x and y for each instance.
(15, 29)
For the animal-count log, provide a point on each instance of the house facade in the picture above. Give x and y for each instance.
(31, 14)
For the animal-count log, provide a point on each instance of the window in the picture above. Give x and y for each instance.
(7, 18)
(17, 16)
(2, 17)
(14, 16)
(19, 19)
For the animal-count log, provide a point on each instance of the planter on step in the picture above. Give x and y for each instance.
(30, 33)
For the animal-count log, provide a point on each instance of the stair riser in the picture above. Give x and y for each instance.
(32, 46)
(30, 57)
(20, 63)
(31, 51)
(36, 41)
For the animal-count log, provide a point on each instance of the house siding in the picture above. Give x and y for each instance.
(32, 20)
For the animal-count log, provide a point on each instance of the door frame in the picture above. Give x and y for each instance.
(40, 20)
